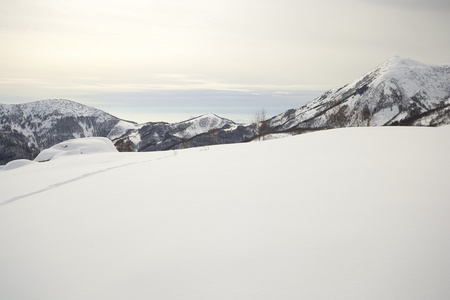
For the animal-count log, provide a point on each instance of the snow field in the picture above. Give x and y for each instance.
(355, 213)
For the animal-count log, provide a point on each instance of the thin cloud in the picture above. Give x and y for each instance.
(93, 48)
(436, 5)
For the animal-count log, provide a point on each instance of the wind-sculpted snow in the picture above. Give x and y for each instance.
(354, 213)
(77, 147)
(17, 164)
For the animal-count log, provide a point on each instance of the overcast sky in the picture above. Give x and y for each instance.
(152, 60)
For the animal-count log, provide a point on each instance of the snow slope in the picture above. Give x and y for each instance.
(400, 91)
(354, 213)
(201, 124)
(35, 118)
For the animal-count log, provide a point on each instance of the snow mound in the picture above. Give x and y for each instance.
(77, 146)
(16, 164)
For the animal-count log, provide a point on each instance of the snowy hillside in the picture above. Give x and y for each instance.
(25, 129)
(208, 129)
(39, 116)
(201, 124)
(354, 213)
(400, 91)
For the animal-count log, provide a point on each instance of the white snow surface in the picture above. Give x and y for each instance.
(75, 147)
(354, 213)
(16, 164)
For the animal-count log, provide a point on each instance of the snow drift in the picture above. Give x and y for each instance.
(355, 213)
(16, 164)
(76, 147)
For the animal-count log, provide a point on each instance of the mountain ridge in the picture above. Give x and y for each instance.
(401, 91)
(26, 129)
(395, 91)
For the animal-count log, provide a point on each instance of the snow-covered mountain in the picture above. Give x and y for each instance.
(26, 129)
(208, 129)
(399, 92)
(352, 213)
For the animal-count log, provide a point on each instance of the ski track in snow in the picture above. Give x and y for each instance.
(354, 213)
(62, 183)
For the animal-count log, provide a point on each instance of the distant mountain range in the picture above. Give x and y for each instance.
(399, 92)
(27, 129)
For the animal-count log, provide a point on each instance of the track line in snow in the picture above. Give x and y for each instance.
(50, 187)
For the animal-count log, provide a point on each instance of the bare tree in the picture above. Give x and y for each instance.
(259, 123)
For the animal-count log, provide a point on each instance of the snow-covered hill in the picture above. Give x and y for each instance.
(399, 92)
(208, 129)
(26, 129)
(41, 124)
(353, 213)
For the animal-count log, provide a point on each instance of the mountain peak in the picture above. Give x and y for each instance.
(207, 118)
(396, 62)
(400, 91)
(400, 60)
(59, 106)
